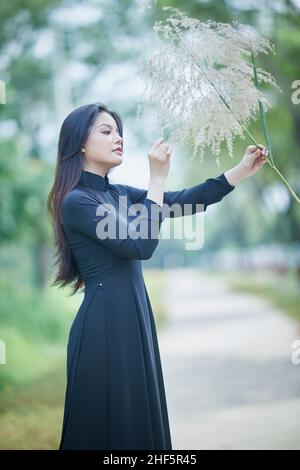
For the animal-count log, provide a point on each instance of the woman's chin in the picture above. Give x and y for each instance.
(118, 159)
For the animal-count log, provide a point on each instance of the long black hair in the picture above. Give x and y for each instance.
(73, 135)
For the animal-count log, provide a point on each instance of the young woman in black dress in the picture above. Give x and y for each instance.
(115, 395)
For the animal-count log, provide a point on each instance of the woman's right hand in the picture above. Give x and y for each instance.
(159, 160)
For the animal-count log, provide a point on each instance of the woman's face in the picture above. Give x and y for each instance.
(99, 149)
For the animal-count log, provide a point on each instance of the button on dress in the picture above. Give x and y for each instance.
(115, 395)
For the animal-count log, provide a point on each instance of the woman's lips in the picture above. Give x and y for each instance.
(119, 151)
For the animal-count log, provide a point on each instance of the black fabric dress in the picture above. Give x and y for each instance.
(115, 396)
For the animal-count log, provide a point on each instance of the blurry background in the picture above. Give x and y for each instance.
(228, 313)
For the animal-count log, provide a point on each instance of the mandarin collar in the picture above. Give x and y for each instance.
(93, 181)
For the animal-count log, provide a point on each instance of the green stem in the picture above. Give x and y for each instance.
(285, 181)
(266, 132)
(262, 112)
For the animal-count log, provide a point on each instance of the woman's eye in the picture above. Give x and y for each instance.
(106, 131)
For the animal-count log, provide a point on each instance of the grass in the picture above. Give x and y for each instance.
(34, 327)
(31, 417)
(283, 290)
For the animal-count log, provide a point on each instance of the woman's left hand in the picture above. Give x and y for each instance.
(253, 159)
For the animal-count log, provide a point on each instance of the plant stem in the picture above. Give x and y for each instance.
(262, 113)
(285, 181)
(266, 132)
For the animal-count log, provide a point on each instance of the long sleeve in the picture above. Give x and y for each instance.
(84, 214)
(195, 198)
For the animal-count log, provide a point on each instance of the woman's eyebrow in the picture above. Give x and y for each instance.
(108, 125)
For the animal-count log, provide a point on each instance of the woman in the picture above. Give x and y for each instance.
(115, 396)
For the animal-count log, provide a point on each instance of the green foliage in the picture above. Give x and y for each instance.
(15, 15)
(31, 416)
(34, 326)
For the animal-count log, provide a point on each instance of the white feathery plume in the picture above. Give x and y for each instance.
(205, 89)
(200, 81)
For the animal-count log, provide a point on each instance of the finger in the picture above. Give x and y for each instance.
(158, 142)
(262, 148)
(257, 153)
(251, 148)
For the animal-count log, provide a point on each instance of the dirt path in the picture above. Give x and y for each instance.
(229, 379)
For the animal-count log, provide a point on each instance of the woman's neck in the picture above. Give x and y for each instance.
(98, 171)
